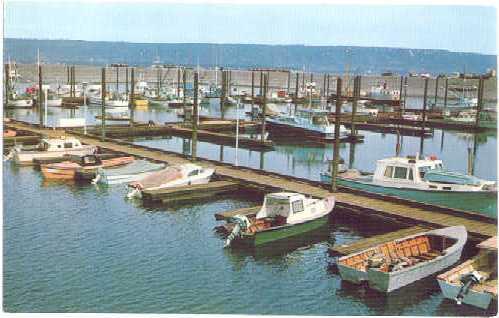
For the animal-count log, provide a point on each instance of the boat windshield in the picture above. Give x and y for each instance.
(422, 170)
(276, 206)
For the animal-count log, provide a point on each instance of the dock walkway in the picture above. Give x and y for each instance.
(409, 212)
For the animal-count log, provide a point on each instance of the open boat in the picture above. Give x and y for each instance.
(9, 133)
(137, 170)
(389, 266)
(473, 282)
(423, 180)
(68, 169)
(51, 148)
(282, 215)
(172, 176)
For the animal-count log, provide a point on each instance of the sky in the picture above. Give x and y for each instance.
(461, 28)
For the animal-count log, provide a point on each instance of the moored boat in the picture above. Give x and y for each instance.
(51, 148)
(473, 282)
(390, 266)
(68, 169)
(172, 176)
(282, 215)
(137, 170)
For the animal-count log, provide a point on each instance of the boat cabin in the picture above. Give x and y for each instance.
(281, 204)
(408, 169)
(60, 144)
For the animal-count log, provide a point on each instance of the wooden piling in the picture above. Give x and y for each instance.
(131, 100)
(446, 90)
(68, 81)
(40, 95)
(406, 84)
(103, 104)
(117, 79)
(195, 118)
(184, 89)
(356, 93)
(324, 86)
(479, 101)
(7, 85)
(423, 124)
(264, 106)
(436, 94)
(260, 91)
(297, 84)
(336, 149)
(224, 92)
(126, 83)
(327, 90)
(288, 83)
(400, 92)
(178, 82)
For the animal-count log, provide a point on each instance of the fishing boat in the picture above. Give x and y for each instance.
(423, 180)
(51, 148)
(172, 176)
(312, 124)
(390, 266)
(282, 215)
(137, 170)
(68, 169)
(473, 282)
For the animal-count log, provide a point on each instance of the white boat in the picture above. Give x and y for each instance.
(172, 176)
(381, 92)
(137, 170)
(97, 100)
(465, 116)
(282, 215)
(51, 148)
(390, 266)
(20, 103)
(473, 282)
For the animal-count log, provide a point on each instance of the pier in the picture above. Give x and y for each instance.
(354, 201)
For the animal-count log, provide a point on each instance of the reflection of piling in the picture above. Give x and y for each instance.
(470, 161)
(479, 104)
(103, 104)
(336, 149)
(40, 95)
(264, 106)
(423, 125)
(131, 100)
(195, 118)
(351, 155)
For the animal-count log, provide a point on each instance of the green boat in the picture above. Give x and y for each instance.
(424, 180)
(283, 215)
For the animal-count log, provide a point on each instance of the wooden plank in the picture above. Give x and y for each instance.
(244, 211)
(366, 243)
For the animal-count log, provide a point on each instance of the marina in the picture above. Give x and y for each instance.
(248, 179)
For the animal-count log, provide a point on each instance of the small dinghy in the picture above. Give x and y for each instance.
(137, 170)
(389, 266)
(283, 215)
(473, 282)
(68, 169)
(173, 176)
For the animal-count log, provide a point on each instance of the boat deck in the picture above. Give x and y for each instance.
(406, 211)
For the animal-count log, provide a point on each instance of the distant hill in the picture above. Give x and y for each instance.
(313, 58)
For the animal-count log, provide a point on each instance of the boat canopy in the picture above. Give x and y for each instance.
(449, 177)
(281, 204)
(138, 166)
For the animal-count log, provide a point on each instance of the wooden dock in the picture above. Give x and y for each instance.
(190, 193)
(26, 140)
(405, 211)
(357, 246)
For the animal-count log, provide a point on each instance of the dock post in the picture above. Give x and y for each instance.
(131, 100)
(323, 93)
(436, 94)
(327, 91)
(446, 90)
(297, 84)
(252, 92)
(178, 82)
(311, 77)
(303, 80)
(117, 80)
(479, 102)
(423, 126)
(194, 119)
(40, 95)
(400, 92)
(222, 98)
(184, 89)
(103, 104)
(260, 91)
(336, 149)
(68, 77)
(158, 81)
(288, 83)
(406, 84)
(7, 86)
(264, 106)
(356, 84)
(126, 83)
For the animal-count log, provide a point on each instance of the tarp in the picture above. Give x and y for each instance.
(443, 176)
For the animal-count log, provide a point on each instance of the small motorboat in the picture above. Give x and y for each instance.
(282, 215)
(134, 171)
(68, 169)
(473, 282)
(390, 266)
(172, 176)
(9, 133)
(51, 148)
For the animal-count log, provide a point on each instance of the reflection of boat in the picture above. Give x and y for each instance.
(389, 266)
(423, 180)
(282, 215)
(172, 176)
(473, 282)
(137, 170)
(68, 169)
(51, 148)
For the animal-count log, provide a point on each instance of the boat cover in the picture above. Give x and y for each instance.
(444, 176)
(138, 166)
(160, 177)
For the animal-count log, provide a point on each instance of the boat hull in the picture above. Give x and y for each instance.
(20, 103)
(478, 299)
(26, 158)
(62, 174)
(482, 202)
(279, 233)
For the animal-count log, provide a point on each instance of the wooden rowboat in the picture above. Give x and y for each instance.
(68, 169)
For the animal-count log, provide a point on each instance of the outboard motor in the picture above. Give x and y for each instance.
(242, 223)
(467, 280)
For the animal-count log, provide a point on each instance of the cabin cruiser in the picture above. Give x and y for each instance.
(282, 215)
(51, 148)
(172, 176)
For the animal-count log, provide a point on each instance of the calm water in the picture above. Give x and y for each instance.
(78, 248)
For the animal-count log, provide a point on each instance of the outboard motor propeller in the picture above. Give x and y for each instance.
(467, 280)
